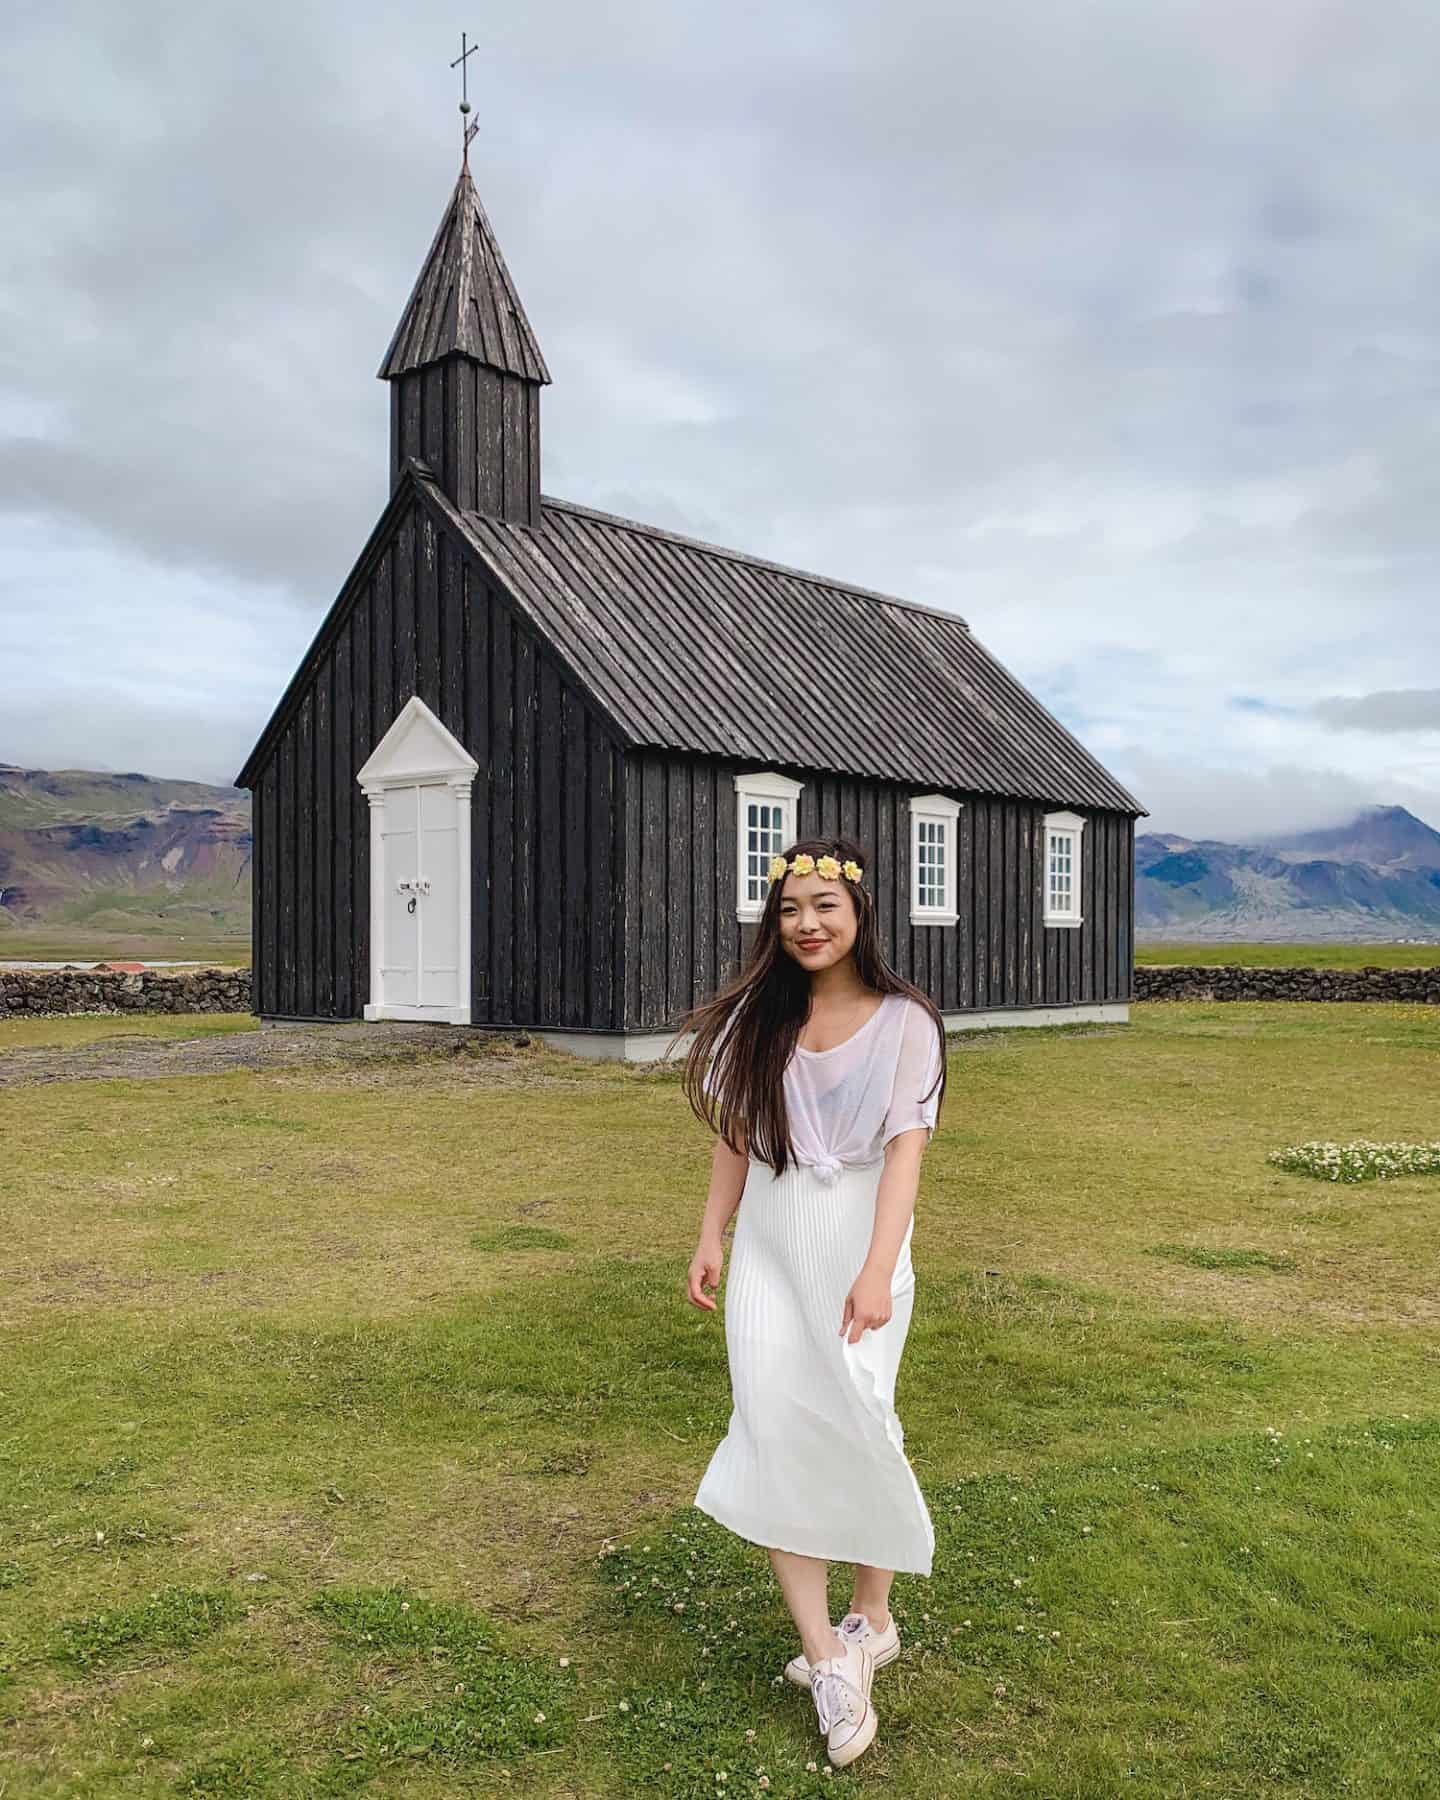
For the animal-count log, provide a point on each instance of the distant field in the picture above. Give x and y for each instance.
(1293, 956)
(57, 944)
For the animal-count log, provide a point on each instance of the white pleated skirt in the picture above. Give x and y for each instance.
(814, 1457)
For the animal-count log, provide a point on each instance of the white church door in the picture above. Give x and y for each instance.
(418, 782)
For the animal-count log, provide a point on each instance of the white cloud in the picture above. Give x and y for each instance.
(1123, 351)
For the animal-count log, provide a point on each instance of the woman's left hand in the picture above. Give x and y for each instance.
(867, 1305)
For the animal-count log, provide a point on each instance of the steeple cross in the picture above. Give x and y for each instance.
(462, 62)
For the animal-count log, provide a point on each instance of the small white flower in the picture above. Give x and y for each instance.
(564, 1662)
(539, 1718)
(624, 1706)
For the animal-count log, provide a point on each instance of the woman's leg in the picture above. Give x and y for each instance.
(802, 1581)
(871, 1594)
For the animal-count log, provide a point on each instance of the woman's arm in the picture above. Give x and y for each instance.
(895, 1199)
(727, 1183)
(868, 1305)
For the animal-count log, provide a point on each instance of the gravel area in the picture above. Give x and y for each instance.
(276, 1047)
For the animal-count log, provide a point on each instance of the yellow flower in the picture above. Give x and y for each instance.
(778, 866)
(802, 864)
(828, 866)
(853, 870)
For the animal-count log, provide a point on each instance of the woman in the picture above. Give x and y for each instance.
(822, 1076)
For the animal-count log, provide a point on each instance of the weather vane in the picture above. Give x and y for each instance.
(461, 63)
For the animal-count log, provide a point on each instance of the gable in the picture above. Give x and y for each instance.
(416, 510)
(416, 747)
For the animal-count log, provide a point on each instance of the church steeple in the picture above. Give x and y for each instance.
(465, 372)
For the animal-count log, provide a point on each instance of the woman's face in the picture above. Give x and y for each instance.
(817, 921)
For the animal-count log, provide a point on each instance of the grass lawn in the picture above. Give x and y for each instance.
(350, 1421)
(1293, 956)
(96, 1028)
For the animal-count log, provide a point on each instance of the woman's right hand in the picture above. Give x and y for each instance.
(705, 1266)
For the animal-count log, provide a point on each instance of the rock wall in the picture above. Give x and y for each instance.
(27, 992)
(1188, 982)
(36, 991)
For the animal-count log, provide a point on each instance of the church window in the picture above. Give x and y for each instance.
(1062, 868)
(934, 856)
(765, 811)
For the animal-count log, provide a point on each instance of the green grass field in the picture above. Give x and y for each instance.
(82, 943)
(350, 1421)
(87, 944)
(1293, 956)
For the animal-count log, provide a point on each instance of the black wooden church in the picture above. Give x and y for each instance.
(534, 765)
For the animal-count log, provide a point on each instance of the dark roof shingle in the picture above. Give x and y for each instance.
(465, 301)
(691, 647)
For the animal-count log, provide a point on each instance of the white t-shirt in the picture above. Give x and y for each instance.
(845, 1104)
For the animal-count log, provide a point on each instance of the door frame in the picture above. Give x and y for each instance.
(418, 751)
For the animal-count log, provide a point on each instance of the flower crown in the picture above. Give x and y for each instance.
(802, 863)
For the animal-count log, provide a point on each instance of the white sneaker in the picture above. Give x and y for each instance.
(840, 1687)
(884, 1646)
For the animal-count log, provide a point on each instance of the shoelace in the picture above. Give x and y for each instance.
(830, 1689)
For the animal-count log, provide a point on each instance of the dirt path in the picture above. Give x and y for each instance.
(276, 1047)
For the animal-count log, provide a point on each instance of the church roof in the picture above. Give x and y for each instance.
(689, 647)
(465, 301)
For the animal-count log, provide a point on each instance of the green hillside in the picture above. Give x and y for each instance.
(97, 865)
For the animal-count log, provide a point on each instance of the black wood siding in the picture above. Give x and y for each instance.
(477, 428)
(685, 940)
(548, 818)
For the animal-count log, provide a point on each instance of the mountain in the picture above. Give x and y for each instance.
(1373, 879)
(118, 855)
(1386, 837)
(121, 852)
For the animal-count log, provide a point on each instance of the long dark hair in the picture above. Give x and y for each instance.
(768, 1002)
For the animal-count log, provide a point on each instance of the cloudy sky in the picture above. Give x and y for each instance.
(1115, 328)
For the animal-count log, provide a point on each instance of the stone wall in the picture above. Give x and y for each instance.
(37, 991)
(28, 992)
(1186, 982)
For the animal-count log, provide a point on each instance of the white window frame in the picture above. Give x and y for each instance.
(769, 788)
(935, 809)
(1060, 825)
